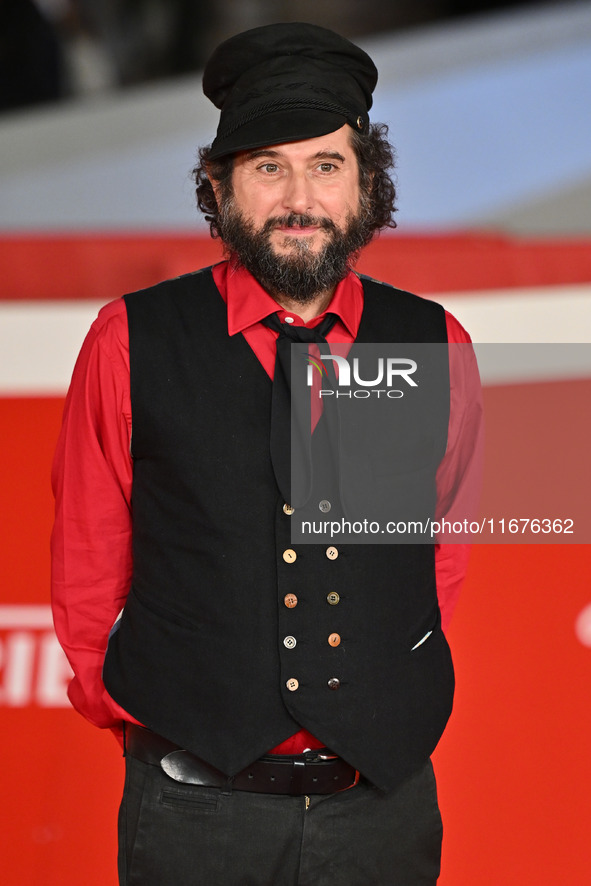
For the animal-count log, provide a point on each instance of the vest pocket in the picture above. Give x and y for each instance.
(421, 641)
(162, 611)
(427, 641)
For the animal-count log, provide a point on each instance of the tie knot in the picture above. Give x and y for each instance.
(301, 333)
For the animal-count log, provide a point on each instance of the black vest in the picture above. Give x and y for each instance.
(199, 654)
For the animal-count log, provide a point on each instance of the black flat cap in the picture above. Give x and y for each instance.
(286, 82)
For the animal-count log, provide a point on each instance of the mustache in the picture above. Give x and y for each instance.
(297, 220)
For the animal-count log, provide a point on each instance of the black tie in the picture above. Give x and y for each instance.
(282, 432)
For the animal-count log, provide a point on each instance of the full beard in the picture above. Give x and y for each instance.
(302, 274)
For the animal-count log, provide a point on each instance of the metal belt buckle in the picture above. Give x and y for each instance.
(317, 757)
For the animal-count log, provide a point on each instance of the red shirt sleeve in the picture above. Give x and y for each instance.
(91, 540)
(459, 474)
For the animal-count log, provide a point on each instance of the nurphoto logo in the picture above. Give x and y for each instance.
(388, 371)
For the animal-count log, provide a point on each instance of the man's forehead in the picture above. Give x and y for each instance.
(334, 145)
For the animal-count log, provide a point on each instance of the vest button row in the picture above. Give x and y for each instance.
(290, 555)
(290, 642)
(293, 684)
(324, 506)
(291, 601)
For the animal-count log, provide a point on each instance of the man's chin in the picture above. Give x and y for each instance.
(297, 244)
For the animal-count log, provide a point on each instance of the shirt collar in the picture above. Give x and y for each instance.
(248, 303)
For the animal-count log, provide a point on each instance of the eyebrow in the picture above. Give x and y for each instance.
(269, 152)
(329, 155)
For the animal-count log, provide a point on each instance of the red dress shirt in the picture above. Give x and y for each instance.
(93, 472)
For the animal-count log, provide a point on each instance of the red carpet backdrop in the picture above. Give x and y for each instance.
(514, 766)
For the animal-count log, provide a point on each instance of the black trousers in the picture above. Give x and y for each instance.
(172, 834)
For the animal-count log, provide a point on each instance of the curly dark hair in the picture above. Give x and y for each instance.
(375, 156)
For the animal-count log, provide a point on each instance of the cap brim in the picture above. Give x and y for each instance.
(277, 128)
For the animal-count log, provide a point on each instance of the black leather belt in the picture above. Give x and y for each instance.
(313, 772)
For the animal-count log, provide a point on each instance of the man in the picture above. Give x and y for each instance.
(279, 702)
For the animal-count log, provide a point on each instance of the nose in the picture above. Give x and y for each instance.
(298, 193)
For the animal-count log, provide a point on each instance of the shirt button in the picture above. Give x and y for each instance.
(332, 553)
(289, 320)
(333, 598)
(333, 640)
(290, 642)
(291, 601)
(287, 509)
(325, 506)
(334, 683)
(290, 556)
(292, 684)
